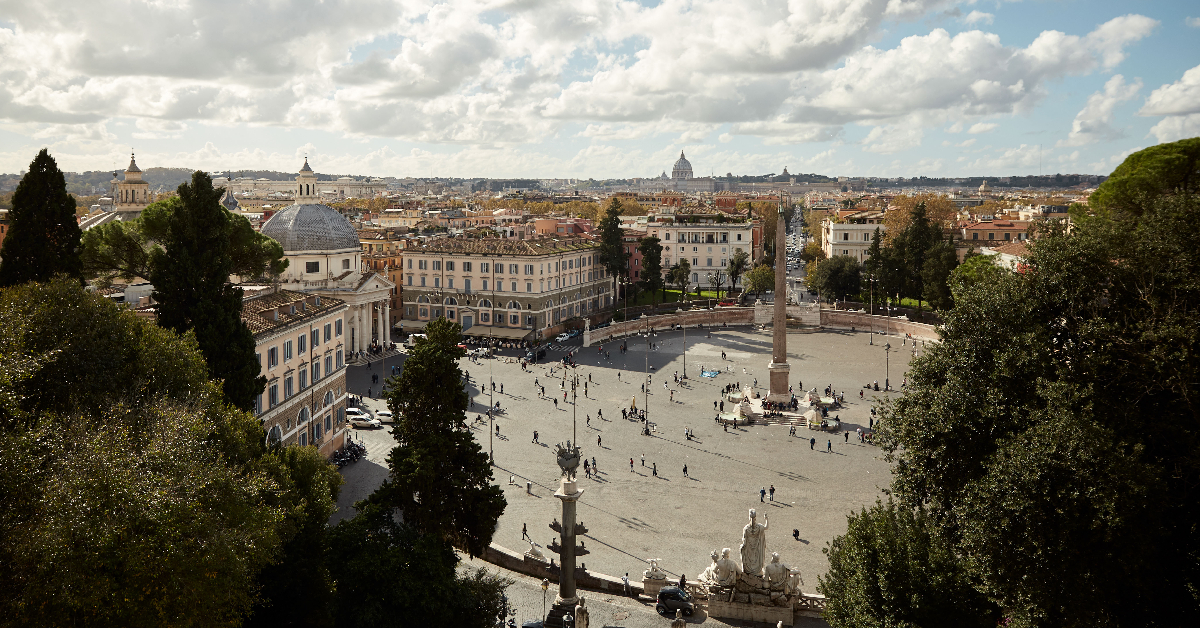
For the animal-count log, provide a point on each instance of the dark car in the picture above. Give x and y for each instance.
(671, 599)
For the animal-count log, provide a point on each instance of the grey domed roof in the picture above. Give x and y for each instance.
(311, 227)
(683, 163)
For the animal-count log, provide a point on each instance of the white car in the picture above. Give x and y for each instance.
(363, 420)
(385, 416)
(562, 338)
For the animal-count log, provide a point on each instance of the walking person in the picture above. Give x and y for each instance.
(655, 469)
(625, 582)
(829, 446)
(598, 441)
(685, 471)
(847, 435)
(643, 460)
(535, 436)
(762, 494)
(772, 491)
(525, 532)
(812, 443)
(631, 465)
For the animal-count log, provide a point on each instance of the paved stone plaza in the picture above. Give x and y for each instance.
(633, 516)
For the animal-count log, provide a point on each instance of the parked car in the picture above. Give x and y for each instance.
(563, 337)
(671, 599)
(385, 416)
(360, 420)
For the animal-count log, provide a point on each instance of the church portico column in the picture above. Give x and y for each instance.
(358, 325)
(387, 318)
(379, 317)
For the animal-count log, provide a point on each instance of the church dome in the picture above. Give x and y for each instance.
(682, 168)
(311, 227)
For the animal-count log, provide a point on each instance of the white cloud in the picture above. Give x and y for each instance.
(1180, 103)
(966, 143)
(892, 139)
(982, 127)
(485, 76)
(1093, 123)
(978, 17)
(957, 127)
(1194, 22)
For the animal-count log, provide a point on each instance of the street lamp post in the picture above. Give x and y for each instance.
(574, 406)
(545, 587)
(887, 348)
(646, 396)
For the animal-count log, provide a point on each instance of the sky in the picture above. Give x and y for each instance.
(594, 89)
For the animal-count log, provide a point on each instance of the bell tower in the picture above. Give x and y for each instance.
(306, 186)
(132, 194)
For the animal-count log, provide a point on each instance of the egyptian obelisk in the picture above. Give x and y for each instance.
(778, 368)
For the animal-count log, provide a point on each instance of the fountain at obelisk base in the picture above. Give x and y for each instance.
(779, 368)
(568, 493)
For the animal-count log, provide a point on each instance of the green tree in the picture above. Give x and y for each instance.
(940, 262)
(43, 234)
(838, 276)
(1024, 431)
(1146, 175)
(681, 276)
(812, 252)
(761, 279)
(387, 570)
(651, 275)
(297, 589)
(737, 266)
(124, 249)
(140, 486)
(436, 456)
(610, 249)
(190, 274)
(976, 269)
(893, 569)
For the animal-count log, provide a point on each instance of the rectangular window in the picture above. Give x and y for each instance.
(991, 236)
(421, 264)
(272, 357)
(450, 282)
(337, 327)
(328, 332)
(437, 264)
(483, 267)
(846, 236)
(437, 282)
(514, 286)
(287, 350)
(316, 338)
(512, 269)
(528, 286)
(410, 263)
(316, 371)
(529, 269)
(485, 317)
(303, 377)
(312, 267)
(422, 282)
(708, 262)
(273, 395)
(449, 265)
(485, 284)
(739, 237)
(338, 358)
(974, 236)
(514, 319)
(410, 280)
(467, 267)
(346, 264)
(287, 387)
(258, 407)
(328, 420)
(329, 363)
(695, 261)
(467, 284)
(302, 343)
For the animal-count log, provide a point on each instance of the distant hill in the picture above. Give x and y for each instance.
(95, 182)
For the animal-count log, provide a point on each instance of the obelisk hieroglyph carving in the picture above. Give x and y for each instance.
(779, 368)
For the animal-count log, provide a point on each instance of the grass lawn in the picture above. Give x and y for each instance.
(645, 298)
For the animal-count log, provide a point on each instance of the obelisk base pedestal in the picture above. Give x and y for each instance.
(780, 372)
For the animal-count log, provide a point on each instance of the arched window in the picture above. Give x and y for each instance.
(303, 416)
(328, 399)
(274, 437)
(451, 301)
(422, 299)
(513, 305)
(485, 303)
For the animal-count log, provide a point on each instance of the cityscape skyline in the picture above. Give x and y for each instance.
(886, 89)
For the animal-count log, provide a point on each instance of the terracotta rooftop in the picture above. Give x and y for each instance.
(1018, 249)
(259, 312)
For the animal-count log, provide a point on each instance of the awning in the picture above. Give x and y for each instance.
(504, 333)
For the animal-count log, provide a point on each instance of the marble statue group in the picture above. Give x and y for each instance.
(756, 580)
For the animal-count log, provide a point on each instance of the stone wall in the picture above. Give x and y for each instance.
(764, 314)
(688, 318)
(584, 579)
(861, 321)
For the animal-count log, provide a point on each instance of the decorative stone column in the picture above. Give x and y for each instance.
(387, 319)
(779, 368)
(358, 325)
(379, 317)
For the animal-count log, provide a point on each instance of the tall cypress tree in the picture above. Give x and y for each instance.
(612, 248)
(43, 239)
(191, 285)
(651, 250)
